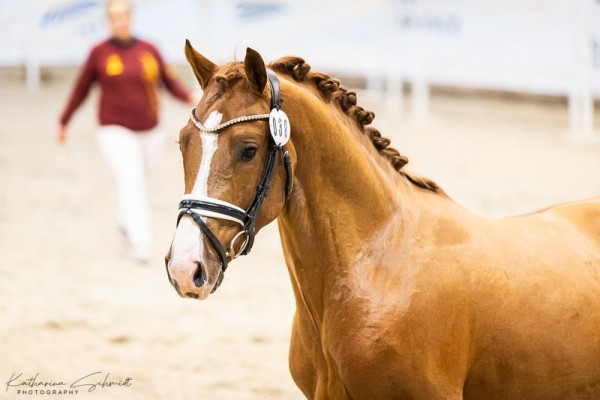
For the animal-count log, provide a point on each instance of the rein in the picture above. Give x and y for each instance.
(198, 207)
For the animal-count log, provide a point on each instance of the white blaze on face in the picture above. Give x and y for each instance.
(187, 246)
(209, 147)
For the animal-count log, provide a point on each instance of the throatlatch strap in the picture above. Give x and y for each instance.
(287, 164)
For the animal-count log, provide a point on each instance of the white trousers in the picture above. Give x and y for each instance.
(129, 155)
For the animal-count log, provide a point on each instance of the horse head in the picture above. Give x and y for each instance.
(234, 181)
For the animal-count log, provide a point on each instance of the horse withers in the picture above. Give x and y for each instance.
(400, 292)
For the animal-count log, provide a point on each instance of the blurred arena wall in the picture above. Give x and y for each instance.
(540, 47)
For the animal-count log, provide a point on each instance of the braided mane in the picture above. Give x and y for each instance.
(331, 90)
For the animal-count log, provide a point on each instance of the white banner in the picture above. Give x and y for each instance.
(534, 46)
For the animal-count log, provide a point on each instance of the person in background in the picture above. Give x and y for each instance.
(129, 71)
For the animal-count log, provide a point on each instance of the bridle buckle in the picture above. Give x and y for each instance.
(231, 254)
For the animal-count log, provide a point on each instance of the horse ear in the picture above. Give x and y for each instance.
(203, 68)
(255, 70)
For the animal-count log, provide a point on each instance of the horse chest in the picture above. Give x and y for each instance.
(354, 357)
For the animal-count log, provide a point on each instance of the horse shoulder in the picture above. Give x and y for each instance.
(400, 335)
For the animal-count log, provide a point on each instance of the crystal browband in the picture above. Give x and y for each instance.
(245, 118)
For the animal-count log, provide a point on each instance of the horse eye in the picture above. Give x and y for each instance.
(248, 153)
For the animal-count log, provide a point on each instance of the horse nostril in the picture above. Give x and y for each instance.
(200, 275)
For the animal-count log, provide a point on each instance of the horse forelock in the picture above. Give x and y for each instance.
(227, 75)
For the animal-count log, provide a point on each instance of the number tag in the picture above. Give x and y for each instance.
(279, 125)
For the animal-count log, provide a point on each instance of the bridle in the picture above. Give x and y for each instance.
(198, 207)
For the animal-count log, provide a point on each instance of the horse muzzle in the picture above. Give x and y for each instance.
(193, 268)
(194, 280)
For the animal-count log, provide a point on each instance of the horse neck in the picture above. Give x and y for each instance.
(345, 197)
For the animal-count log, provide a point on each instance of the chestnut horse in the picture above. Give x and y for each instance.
(400, 292)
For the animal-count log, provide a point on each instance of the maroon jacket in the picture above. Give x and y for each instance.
(129, 75)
